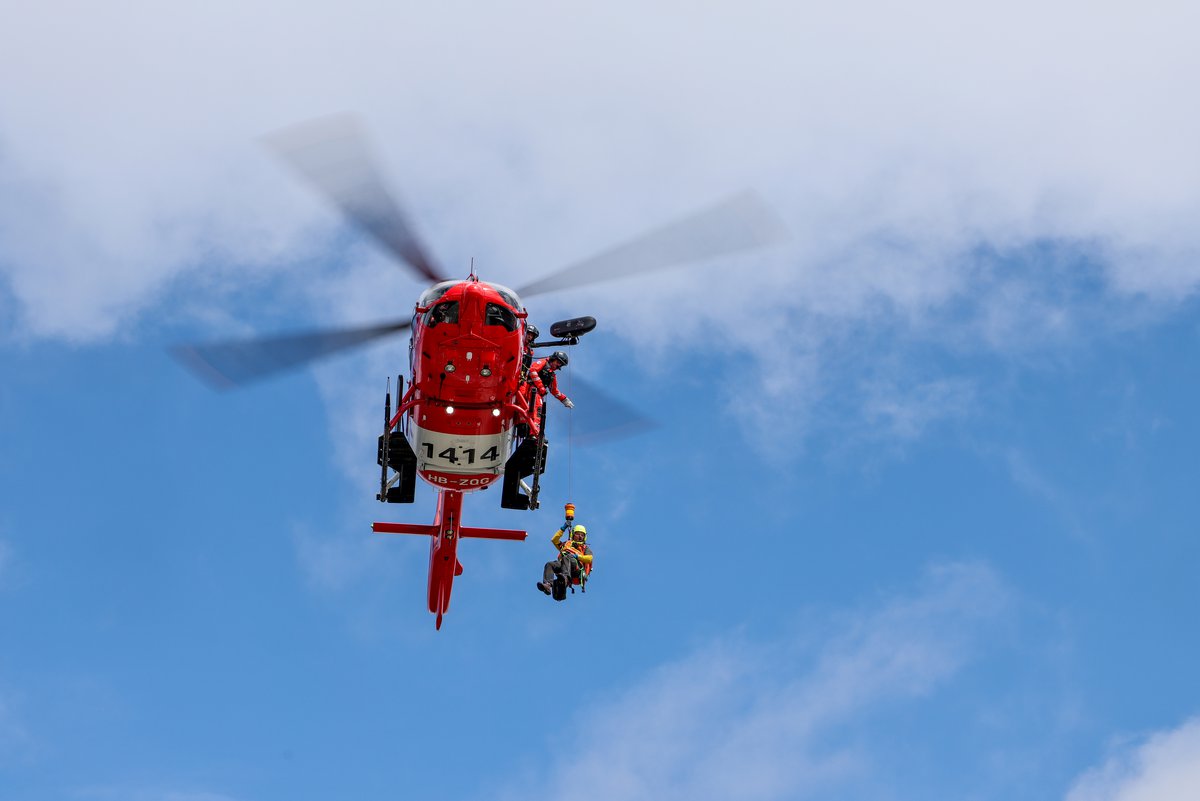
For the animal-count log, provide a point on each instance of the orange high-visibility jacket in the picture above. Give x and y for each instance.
(541, 369)
(581, 549)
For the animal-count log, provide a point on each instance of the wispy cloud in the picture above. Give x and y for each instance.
(1034, 480)
(890, 164)
(5, 561)
(333, 560)
(15, 739)
(330, 563)
(762, 719)
(904, 412)
(128, 793)
(1162, 767)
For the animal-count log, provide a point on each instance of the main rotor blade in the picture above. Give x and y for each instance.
(597, 417)
(334, 156)
(741, 222)
(233, 363)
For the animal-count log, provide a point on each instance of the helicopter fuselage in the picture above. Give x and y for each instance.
(465, 390)
(463, 404)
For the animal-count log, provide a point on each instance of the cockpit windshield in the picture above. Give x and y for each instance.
(495, 314)
(509, 296)
(444, 312)
(431, 295)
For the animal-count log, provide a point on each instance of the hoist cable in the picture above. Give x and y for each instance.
(570, 439)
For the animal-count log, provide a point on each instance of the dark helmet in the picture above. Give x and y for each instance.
(531, 331)
(560, 357)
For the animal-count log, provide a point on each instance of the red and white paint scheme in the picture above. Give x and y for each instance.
(462, 404)
(467, 346)
(456, 426)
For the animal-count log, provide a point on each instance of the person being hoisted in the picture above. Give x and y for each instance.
(574, 562)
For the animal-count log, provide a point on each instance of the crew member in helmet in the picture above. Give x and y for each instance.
(542, 373)
(531, 335)
(574, 561)
(526, 394)
(543, 379)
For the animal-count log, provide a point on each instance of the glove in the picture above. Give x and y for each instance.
(567, 402)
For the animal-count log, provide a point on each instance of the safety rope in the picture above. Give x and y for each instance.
(570, 438)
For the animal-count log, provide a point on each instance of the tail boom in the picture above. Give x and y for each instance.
(444, 534)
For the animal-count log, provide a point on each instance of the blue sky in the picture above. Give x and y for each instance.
(917, 520)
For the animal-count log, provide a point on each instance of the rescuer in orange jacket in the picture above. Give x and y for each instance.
(574, 560)
(543, 375)
(542, 378)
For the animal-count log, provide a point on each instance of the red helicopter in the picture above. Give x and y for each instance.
(468, 418)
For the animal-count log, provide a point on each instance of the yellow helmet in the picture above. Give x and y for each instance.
(580, 529)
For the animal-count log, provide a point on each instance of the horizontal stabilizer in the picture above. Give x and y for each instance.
(403, 528)
(429, 531)
(493, 533)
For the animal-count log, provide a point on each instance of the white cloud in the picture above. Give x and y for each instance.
(904, 412)
(917, 153)
(1032, 478)
(763, 720)
(1163, 767)
(331, 563)
(134, 142)
(335, 560)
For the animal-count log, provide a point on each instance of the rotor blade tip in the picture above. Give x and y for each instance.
(191, 359)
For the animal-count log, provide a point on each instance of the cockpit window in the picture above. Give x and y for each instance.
(445, 312)
(509, 296)
(431, 295)
(498, 315)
